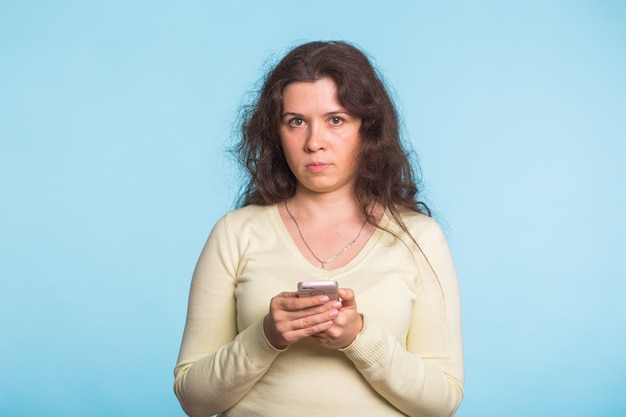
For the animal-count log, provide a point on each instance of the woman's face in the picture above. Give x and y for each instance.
(319, 137)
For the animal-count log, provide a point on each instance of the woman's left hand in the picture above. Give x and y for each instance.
(345, 327)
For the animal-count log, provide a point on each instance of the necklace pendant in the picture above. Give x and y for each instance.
(332, 258)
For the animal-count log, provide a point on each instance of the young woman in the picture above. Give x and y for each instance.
(331, 196)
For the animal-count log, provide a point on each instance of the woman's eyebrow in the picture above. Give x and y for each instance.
(330, 113)
(340, 111)
(289, 113)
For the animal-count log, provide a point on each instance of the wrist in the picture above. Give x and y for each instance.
(359, 329)
(270, 337)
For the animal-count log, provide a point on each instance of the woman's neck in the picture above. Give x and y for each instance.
(318, 206)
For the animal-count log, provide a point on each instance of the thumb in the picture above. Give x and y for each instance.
(348, 298)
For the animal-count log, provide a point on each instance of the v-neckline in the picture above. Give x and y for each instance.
(301, 257)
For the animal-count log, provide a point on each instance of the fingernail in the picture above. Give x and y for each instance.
(338, 304)
(325, 298)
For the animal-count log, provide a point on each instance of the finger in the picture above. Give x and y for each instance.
(296, 335)
(303, 303)
(285, 321)
(290, 320)
(289, 301)
(315, 319)
(348, 297)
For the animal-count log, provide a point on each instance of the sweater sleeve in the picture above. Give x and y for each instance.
(218, 365)
(425, 379)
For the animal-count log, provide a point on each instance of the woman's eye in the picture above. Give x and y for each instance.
(296, 122)
(336, 120)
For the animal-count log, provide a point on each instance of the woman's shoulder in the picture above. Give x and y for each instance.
(416, 219)
(419, 225)
(250, 210)
(235, 223)
(247, 214)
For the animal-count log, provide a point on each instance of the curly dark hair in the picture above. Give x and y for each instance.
(384, 173)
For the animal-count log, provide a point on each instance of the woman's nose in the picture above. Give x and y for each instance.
(315, 139)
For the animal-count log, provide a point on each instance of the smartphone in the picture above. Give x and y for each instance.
(309, 288)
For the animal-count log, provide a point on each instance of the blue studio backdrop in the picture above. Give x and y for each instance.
(115, 122)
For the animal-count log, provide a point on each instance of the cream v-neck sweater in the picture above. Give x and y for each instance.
(407, 360)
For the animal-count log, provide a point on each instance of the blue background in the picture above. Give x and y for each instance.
(115, 119)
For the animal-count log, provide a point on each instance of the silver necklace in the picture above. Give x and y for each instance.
(332, 258)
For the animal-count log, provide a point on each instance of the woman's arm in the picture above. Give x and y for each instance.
(217, 365)
(426, 378)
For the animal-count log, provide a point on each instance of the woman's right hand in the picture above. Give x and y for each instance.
(292, 318)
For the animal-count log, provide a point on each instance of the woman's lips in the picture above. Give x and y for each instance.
(317, 166)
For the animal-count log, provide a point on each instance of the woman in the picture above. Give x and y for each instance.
(331, 196)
